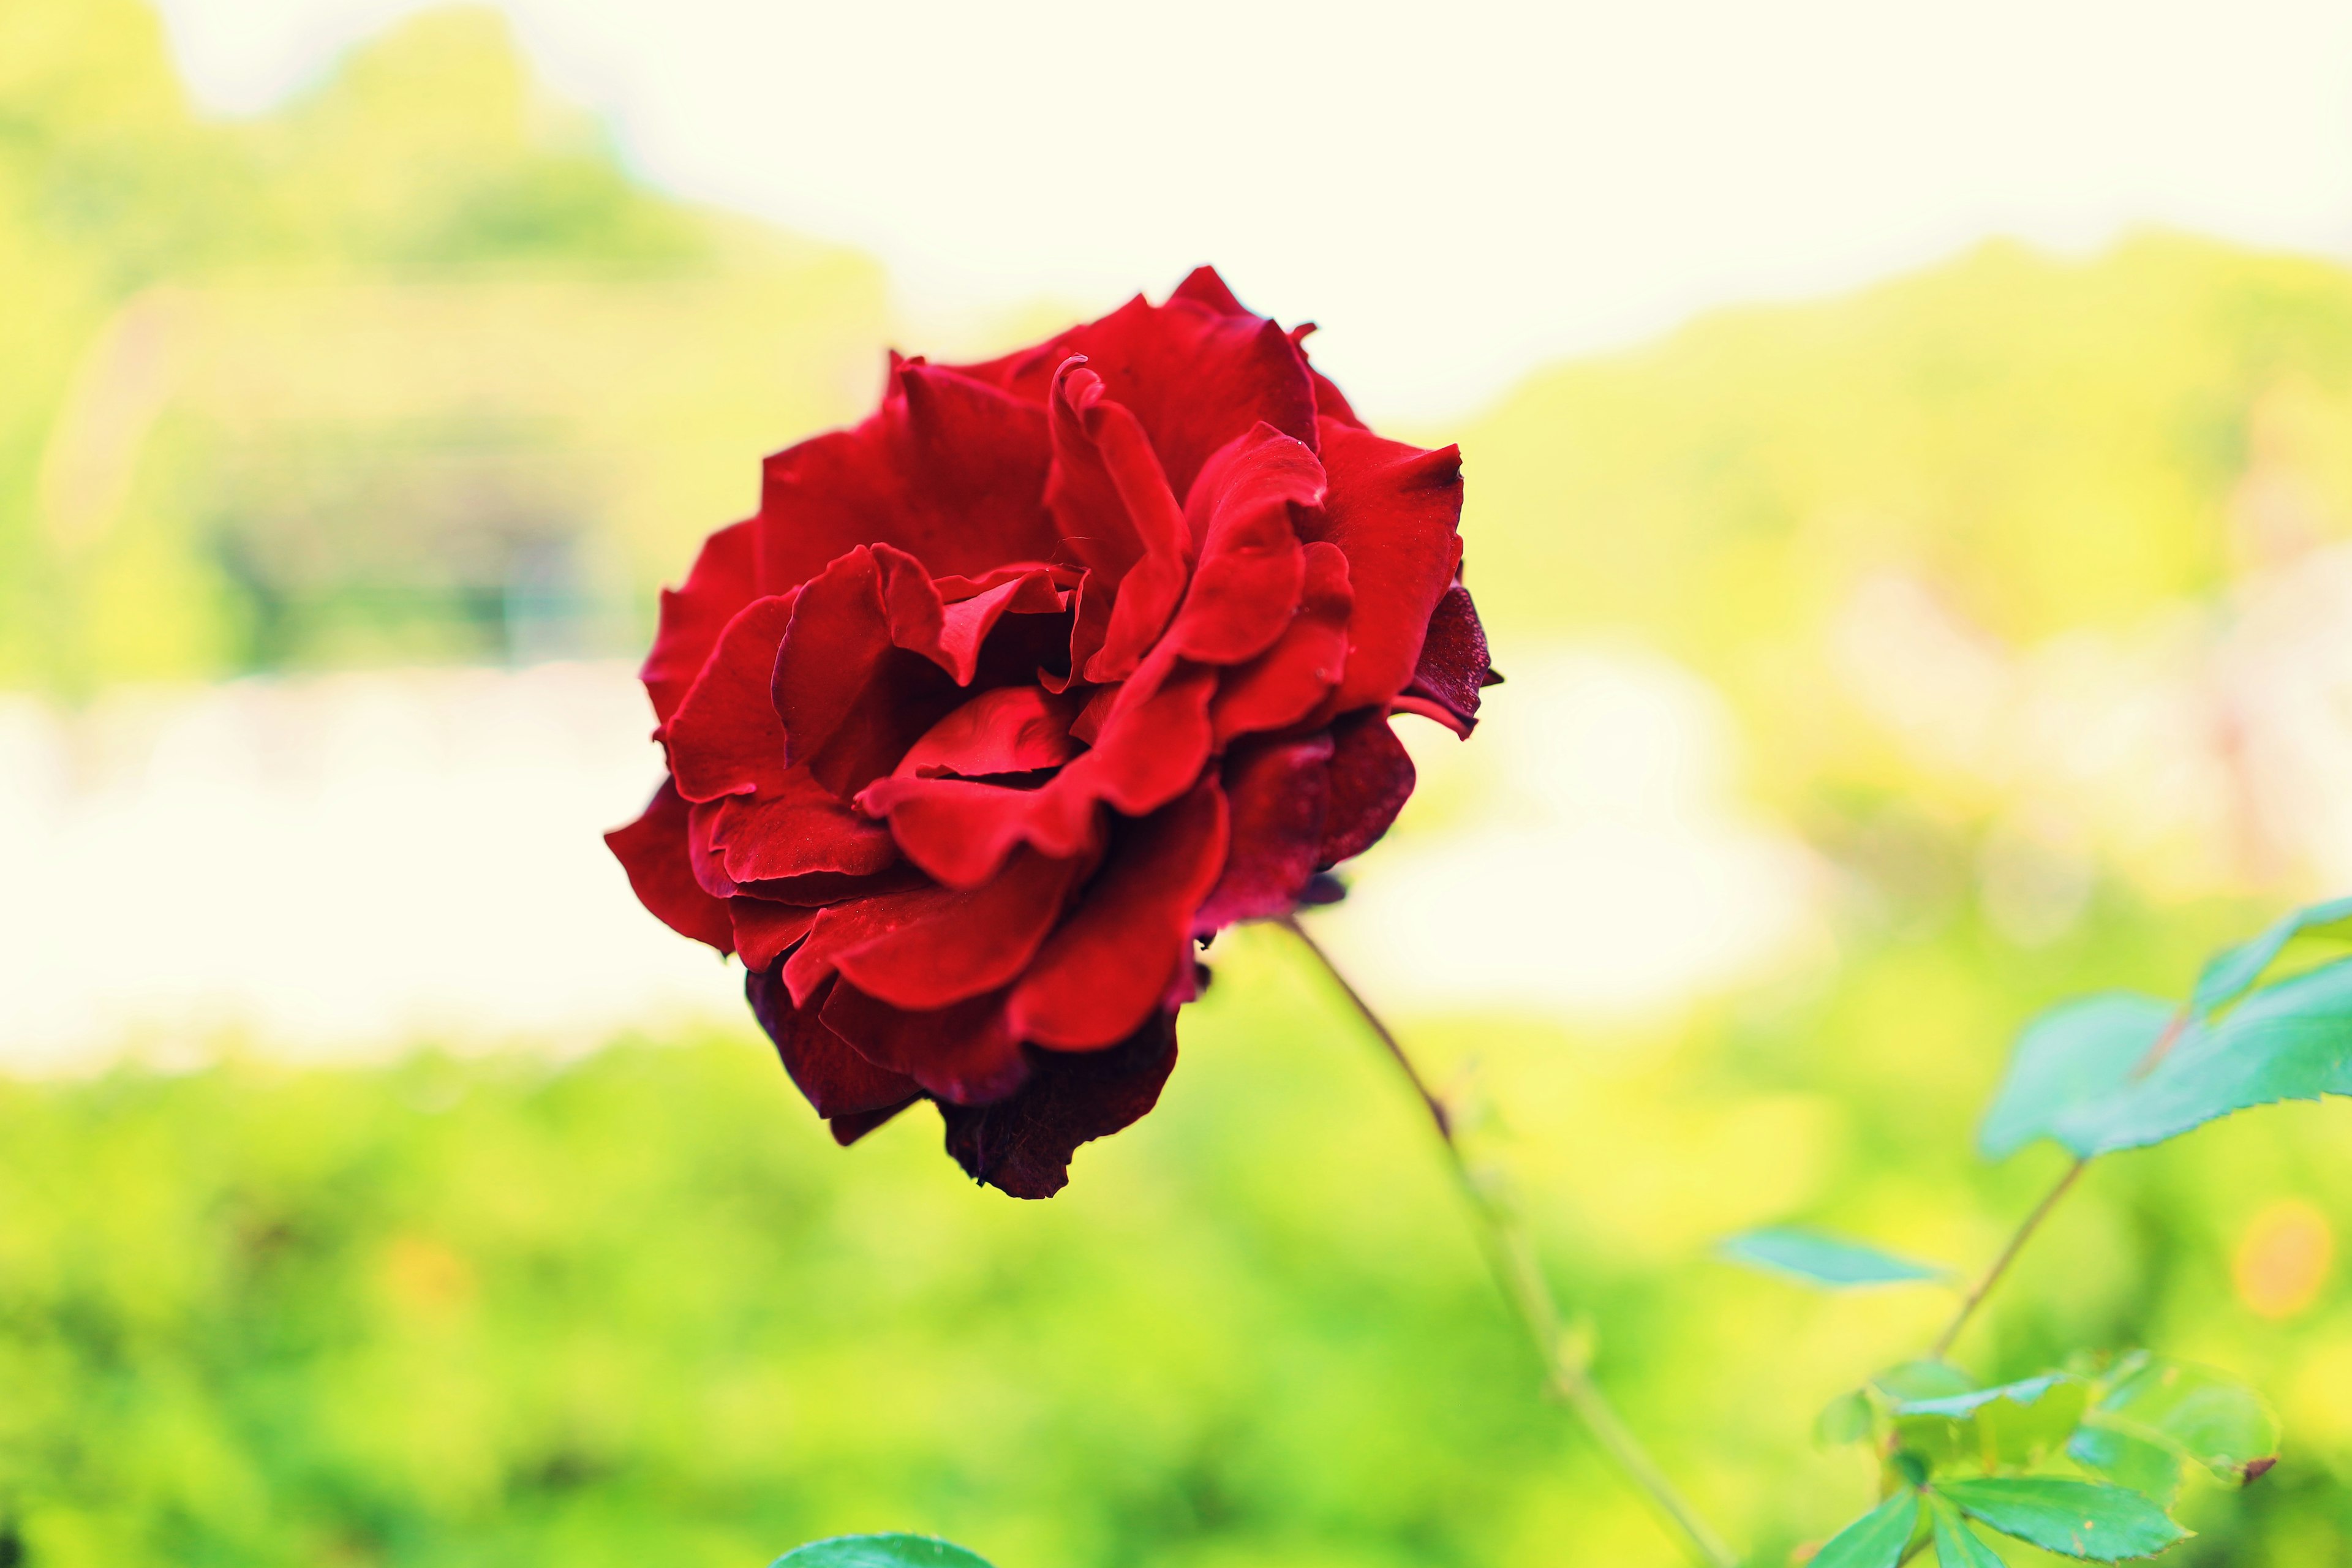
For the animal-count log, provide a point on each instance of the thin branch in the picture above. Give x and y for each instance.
(1944, 1340)
(1510, 1253)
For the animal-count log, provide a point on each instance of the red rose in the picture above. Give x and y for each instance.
(1050, 668)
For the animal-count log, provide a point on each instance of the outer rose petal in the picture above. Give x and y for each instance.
(721, 582)
(725, 737)
(653, 850)
(1394, 509)
(1454, 666)
(1195, 376)
(1112, 961)
(962, 1055)
(1371, 777)
(1279, 792)
(950, 471)
(825, 1068)
(798, 829)
(1023, 1145)
(765, 931)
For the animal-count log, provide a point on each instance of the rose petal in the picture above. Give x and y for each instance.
(933, 946)
(834, 644)
(1011, 730)
(962, 1054)
(1023, 1145)
(1115, 512)
(949, 469)
(1246, 586)
(1370, 778)
(795, 830)
(654, 851)
(1112, 960)
(1278, 792)
(837, 1079)
(1393, 509)
(1454, 666)
(722, 581)
(763, 931)
(725, 737)
(1295, 676)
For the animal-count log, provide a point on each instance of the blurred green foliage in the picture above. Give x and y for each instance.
(637, 1306)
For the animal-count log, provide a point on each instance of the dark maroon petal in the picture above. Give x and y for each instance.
(1112, 960)
(1371, 777)
(1278, 792)
(1393, 509)
(654, 851)
(964, 1054)
(1023, 1145)
(1454, 666)
(1245, 588)
(725, 738)
(848, 1130)
(836, 1078)
(949, 469)
(1297, 676)
(721, 582)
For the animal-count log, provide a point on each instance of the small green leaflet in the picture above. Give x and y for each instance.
(1876, 1540)
(1956, 1545)
(2185, 1415)
(879, 1551)
(2234, 971)
(2013, 1424)
(2071, 1079)
(2079, 1519)
(1824, 1260)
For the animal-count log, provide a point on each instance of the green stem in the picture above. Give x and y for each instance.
(1992, 1277)
(1510, 1253)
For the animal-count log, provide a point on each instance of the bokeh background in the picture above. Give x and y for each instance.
(1910, 464)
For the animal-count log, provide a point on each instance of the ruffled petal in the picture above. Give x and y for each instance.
(765, 931)
(1115, 512)
(724, 579)
(933, 946)
(1246, 586)
(796, 829)
(949, 469)
(1297, 676)
(1113, 960)
(834, 1076)
(725, 737)
(654, 851)
(836, 639)
(1371, 777)
(1022, 1145)
(1278, 792)
(1393, 509)
(1195, 376)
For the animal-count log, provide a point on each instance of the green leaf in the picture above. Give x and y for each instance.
(2290, 1040)
(2075, 1056)
(1956, 1545)
(2232, 973)
(2012, 1424)
(879, 1551)
(1875, 1539)
(2205, 1417)
(1825, 1261)
(2079, 1519)
(1922, 1380)
(2147, 1465)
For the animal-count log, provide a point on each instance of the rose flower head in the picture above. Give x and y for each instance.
(1008, 695)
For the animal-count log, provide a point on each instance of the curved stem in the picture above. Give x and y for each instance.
(2032, 1223)
(1510, 1253)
